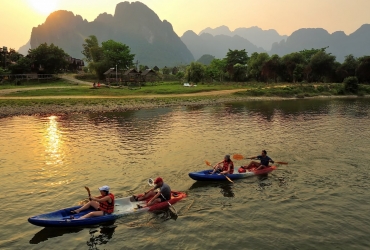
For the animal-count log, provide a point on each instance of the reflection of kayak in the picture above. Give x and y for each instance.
(240, 173)
(122, 207)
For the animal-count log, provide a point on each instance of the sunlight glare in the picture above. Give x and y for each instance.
(44, 6)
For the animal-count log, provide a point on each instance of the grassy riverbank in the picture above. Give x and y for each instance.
(62, 97)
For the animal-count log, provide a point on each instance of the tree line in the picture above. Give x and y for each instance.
(313, 65)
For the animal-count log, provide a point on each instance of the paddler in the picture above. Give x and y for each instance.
(103, 204)
(164, 193)
(224, 167)
(264, 161)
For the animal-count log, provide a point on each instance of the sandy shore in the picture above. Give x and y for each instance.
(40, 107)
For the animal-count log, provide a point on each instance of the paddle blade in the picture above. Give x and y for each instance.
(238, 157)
(208, 163)
(229, 179)
(150, 182)
(88, 190)
(281, 162)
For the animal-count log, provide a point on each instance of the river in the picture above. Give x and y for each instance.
(318, 201)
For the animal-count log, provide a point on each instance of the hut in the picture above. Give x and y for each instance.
(149, 75)
(156, 68)
(110, 75)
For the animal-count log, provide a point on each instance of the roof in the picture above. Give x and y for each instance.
(108, 71)
(130, 71)
(147, 71)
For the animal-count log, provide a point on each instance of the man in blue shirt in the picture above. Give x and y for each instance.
(264, 161)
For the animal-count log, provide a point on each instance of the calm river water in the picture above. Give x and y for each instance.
(319, 201)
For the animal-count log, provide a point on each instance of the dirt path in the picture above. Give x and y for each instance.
(210, 93)
(72, 78)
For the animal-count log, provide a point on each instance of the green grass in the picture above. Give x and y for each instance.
(42, 83)
(162, 89)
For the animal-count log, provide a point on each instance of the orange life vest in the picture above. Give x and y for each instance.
(105, 206)
(226, 166)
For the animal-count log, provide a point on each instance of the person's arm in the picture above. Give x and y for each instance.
(155, 197)
(98, 199)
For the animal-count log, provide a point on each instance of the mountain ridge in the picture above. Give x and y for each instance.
(153, 41)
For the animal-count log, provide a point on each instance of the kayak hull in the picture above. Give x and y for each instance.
(205, 175)
(123, 206)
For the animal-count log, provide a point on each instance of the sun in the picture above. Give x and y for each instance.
(44, 7)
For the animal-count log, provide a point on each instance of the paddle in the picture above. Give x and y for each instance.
(88, 191)
(240, 157)
(151, 183)
(209, 164)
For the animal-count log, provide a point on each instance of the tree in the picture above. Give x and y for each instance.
(91, 50)
(272, 68)
(195, 72)
(50, 59)
(351, 84)
(323, 66)
(290, 62)
(22, 66)
(234, 57)
(347, 68)
(216, 70)
(116, 53)
(363, 69)
(256, 63)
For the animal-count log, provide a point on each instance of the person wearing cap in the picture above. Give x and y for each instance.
(264, 161)
(103, 204)
(224, 167)
(164, 193)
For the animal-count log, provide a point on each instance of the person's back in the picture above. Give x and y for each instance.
(166, 191)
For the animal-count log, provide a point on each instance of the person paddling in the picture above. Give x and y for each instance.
(264, 161)
(164, 193)
(103, 204)
(225, 167)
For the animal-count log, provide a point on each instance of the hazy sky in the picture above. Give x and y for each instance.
(17, 17)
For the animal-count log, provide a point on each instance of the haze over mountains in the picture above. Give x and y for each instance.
(153, 41)
(156, 44)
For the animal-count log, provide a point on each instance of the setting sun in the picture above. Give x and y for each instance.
(44, 6)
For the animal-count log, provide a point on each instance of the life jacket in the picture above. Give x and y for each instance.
(105, 206)
(226, 165)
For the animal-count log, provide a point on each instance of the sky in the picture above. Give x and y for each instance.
(18, 17)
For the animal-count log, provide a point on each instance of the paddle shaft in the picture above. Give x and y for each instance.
(240, 157)
(209, 164)
(88, 191)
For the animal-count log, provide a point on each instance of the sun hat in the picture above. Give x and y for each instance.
(104, 188)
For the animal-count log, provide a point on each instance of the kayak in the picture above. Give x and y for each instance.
(242, 172)
(122, 207)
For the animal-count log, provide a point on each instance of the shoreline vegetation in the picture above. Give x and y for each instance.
(63, 97)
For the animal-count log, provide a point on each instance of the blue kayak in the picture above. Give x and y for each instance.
(122, 207)
(240, 173)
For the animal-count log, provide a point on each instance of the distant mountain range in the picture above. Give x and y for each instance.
(152, 41)
(217, 41)
(257, 36)
(156, 44)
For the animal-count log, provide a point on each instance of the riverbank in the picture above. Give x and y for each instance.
(63, 106)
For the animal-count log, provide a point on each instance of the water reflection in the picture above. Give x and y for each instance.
(227, 190)
(102, 237)
(48, 233)
(53, 143)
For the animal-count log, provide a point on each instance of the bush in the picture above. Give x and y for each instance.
(351, 84)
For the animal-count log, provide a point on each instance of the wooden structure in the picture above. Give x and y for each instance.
(110, 76)
(149, 75)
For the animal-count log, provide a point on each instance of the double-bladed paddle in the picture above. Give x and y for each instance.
(209, 164)
(240, 157)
